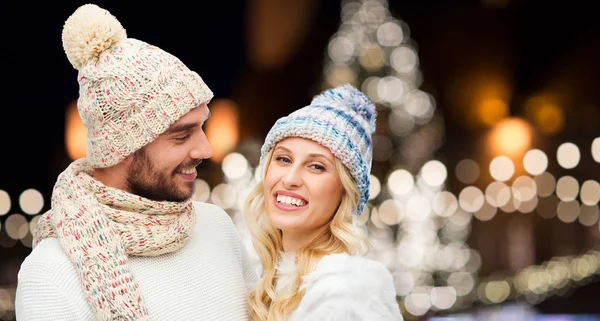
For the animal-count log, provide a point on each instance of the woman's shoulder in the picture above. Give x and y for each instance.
(347, 287)
(349, 263)
(354, 272)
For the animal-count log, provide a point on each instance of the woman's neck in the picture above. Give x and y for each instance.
(292, 241)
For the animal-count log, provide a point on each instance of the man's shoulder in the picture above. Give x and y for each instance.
(213, 219)
(207, 211)
(46, 260)
(215, 229)
(208, 208)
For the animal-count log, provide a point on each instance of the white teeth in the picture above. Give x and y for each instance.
(288, 200)
(188, 171)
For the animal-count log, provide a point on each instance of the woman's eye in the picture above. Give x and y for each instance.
(318, 167)
(283, 159)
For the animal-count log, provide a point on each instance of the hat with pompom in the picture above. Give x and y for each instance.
(341, 119)
(130, 92)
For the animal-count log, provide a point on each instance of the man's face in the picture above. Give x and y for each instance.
(165, 169)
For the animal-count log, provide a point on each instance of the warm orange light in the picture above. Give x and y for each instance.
(222, 129)
(511, 137)
(482, 97)
(545, 113)
(276, 30)
(550, 119)
(74, 133)
(491, 111)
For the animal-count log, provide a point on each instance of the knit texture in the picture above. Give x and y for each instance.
(99, 226)
(130, 92)
(341, 119)
(208, 279)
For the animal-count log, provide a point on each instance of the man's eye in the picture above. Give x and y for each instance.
(182, 138)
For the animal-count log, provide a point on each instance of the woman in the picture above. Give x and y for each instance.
(316, 164)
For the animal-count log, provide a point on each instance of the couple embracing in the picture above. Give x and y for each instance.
(124, 241)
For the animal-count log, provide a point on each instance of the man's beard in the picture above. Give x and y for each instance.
(145, 180)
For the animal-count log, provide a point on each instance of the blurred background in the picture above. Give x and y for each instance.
(486, 157)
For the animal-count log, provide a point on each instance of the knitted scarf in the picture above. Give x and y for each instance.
(99, 226)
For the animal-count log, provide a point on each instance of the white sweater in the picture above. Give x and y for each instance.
(341, 288)
(208, 279)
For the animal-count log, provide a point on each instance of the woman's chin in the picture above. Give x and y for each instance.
(286, 222)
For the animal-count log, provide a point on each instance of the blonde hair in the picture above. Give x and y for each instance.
(338, 236)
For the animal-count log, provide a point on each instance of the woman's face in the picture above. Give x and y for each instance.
(302, 187)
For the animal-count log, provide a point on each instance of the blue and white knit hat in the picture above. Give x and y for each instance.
(341, 119)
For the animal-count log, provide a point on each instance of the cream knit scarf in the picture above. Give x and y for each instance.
(99, 226)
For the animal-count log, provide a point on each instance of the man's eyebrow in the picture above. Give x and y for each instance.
(184, 127)
(181, 128)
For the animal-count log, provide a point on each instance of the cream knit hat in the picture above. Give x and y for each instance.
(129, 91)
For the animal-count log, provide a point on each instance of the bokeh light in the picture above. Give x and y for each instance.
(375, 187)
(16, 226)
(486, 212)
(371, 57)
(400, 182)
(404, 59)
(502, 168)
(590, 192)
(444, 204)
(222, 130)
(391, 212)
(434, 173)
(568, 155)
(510, 137)
(497, 194)
(75, 132)
(596, 149)
(567, 188)
(224, 195)
(467, 171)
(5, 202)
(524, 188)
(535, 162)
(31, 201)
(235, 166)
(545, 183)
(471, 199)
(547, 116)
(568, 211)
(588, 215)
(491, 111)
(201, 191)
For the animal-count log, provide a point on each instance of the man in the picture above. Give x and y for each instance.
(122, 240)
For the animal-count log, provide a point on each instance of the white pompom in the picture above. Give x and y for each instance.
(88, 32)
